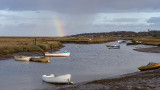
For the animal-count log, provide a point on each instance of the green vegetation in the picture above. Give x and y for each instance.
(153, 33)
(147, 40)
(83, 40)
(9, 45)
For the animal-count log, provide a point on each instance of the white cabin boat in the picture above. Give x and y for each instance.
(60, 79)
(64, 54)
(22, 58)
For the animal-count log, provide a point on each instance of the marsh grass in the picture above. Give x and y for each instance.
(144, 40)
(9, 45)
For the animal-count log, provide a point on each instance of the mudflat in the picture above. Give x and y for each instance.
(149, 50)
(146, 80)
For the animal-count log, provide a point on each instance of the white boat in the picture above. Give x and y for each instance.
(121, 41)
(22, 58)
(60, 79)
(64, 54)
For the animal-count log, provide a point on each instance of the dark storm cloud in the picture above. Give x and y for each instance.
(125, 20)
(154, 20)
(81, 6)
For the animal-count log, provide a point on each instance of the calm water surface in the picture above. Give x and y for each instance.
(87, 62)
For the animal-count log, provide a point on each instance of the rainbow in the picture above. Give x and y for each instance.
(59, 27)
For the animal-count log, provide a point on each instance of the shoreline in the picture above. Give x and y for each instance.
(9, 56)
(149, 50)
(144, 80)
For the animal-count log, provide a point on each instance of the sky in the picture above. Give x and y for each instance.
(70, 17)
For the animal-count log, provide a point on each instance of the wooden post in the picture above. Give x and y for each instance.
(35, 41)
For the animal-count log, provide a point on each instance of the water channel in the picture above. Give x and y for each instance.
(87, 62)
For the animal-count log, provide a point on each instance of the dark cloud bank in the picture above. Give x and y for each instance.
(82, 6)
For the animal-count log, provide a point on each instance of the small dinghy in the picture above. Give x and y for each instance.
(22, 58)
(60, 79)
(150, 66)
(40, 59)
(114, 47)
(110, 45)
(64, 54)
(121, 41)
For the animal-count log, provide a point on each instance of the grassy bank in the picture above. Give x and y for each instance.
(10, 45)
(144, 40)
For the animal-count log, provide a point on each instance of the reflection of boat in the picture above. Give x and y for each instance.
(64, 54)
(22, 58)
(150, 66)
(61, 79)
(40, 59)
(110, 45)
(115, 47)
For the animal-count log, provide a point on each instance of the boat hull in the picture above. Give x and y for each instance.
(41, 59)
(110, 45)
(22, 58)
(150, 67)
(57, 54)
(114, 47)
(61, 79)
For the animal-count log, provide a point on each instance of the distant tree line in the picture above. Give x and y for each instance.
(154, 33)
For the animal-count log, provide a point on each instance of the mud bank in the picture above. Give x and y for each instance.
(149, 50)
(8, 56)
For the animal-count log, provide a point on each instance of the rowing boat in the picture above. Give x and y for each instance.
(149, 66)
(63, 54)
(60, 79)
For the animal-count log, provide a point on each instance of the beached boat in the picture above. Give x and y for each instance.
(114, 47)
(40, 59)
(150, 66)
(22, 58)
(110, 45)
(60, 79)
(64, 54)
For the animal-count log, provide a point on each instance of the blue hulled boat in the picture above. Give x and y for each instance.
(115, 47)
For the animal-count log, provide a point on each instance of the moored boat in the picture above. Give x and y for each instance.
(22, 58)
(121, 41)
(60, 79)
(114, 47)
(110, 45)
(40, 59)
(149, 66)
(64, 54)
